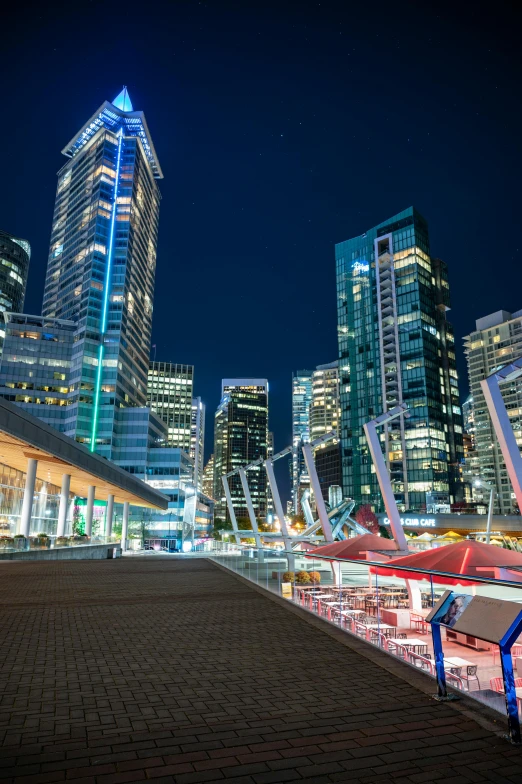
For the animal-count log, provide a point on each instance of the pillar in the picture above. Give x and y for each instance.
(70, 517)
(89, 510)
(109, 513)
(27, 504)
(124, 526)
(64, 503)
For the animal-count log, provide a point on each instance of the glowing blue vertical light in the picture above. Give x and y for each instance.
(106, 287)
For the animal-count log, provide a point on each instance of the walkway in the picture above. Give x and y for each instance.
(171, 670)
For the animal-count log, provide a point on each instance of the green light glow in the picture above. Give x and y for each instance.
(106, 298)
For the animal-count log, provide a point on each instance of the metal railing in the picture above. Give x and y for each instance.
(365, 599)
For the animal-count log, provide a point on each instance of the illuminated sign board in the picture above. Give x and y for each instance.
(415, 522)
(360, 266)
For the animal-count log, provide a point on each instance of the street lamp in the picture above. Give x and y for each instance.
(486, 486)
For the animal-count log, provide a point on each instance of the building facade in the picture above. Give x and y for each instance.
(170, 389)
(189, 514)
(208, 478)
(240, 438)
(496, 341)
(15, 255)
(328, 467)
(324, 407)
(101, 268)
(35, 371)
(301, 402)
(197, 440)
(396, 346)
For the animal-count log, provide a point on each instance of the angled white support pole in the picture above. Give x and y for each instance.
(231, 511)
(316, 487)
(305, 503)
(502, 424)
(372, 436)
(269, 466)
(251, 512)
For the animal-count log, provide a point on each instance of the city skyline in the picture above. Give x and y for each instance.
(296, 144)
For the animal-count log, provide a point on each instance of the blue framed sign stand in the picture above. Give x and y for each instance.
(441, 615)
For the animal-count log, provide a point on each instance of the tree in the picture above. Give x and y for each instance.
(366, 517)
(78, 523)
(219, 526)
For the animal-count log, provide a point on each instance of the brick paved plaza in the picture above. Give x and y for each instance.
(172, 670)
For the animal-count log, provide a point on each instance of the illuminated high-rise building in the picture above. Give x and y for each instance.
(240, 438)
(101, 268)
(197, 440)
(208, 478)
(496, 341)
(396, 346)
(324, 406)
(301, 401)
(15, 255)
(170, 390)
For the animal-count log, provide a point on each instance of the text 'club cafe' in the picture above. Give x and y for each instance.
(440, 524)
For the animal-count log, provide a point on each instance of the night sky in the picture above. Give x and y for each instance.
(281, 129)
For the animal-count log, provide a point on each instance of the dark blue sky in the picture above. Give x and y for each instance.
(281, 128)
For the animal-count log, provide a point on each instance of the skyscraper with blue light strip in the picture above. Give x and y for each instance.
(101, 268)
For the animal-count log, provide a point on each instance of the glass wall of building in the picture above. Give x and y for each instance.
(240, 438)
(15, 255)
(45, 504)
(396, 346)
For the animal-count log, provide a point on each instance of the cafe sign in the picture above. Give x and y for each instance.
(414, 522)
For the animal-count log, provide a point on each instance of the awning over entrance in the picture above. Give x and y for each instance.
(23, 437)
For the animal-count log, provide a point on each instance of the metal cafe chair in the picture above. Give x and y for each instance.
(360, 629)
(470, 675)
(516, 650)
(421, 661)
(497, 684)
(454, 680)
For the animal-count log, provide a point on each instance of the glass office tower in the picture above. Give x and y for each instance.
(395, 345)
(301, 401)
(496, 341)
(169, 394)
(101, 268)
(15, 255)
(240, 438)
(197, 440)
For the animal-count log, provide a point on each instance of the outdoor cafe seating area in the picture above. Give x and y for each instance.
(359, 610)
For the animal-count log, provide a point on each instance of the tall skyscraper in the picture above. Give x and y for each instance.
(301, 402)
(496, 341)
(197, 440)
(208, 478)
(101, 267)
(325, 415)
(324, 406)
(15, 255)
(240, 438)
(170, 389)
(395, 346)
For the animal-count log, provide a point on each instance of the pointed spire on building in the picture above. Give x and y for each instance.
(123, 101)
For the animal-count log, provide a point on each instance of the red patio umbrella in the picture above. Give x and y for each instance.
(355, 549)
(463, 558)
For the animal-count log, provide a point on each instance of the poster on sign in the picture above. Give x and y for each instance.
(478, 616)
(450, 608)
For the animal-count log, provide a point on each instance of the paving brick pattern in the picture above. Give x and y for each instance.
(171, 670)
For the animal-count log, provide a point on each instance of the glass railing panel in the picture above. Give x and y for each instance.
(366, 600)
